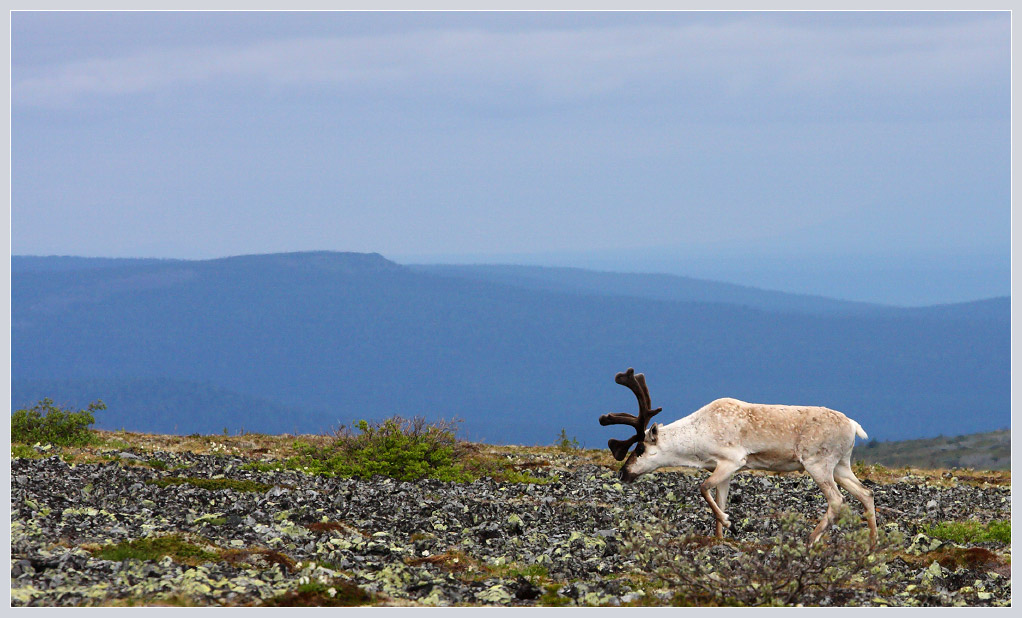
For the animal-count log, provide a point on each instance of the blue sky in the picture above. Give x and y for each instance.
(709, 144)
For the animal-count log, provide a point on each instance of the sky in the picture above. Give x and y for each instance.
(859, 155)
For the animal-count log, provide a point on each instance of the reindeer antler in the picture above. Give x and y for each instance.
(637, 384)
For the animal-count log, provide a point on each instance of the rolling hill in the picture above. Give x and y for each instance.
(308, 341)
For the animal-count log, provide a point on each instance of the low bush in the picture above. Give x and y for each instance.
(565, 443)
(402, 449)
(49, 424)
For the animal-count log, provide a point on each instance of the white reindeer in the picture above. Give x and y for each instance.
(727, 435)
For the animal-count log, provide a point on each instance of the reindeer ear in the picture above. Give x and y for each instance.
(653, 432)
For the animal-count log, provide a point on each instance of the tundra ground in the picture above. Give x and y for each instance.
(205, 521)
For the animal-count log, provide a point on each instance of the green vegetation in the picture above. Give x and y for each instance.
(406, 450)
(962, 532)
(263, 466)
(565, 443)
(175, 546)
(46, 423)
(550, 597)
(212, 484)
(24, 451)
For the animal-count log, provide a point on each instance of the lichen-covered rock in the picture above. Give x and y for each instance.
(437, 544)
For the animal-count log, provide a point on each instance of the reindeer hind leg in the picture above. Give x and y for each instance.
(846, 478)
(823, 473)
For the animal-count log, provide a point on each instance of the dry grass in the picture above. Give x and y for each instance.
(322, 527)
(452, 561)
(954, 557)
(258, 557)
(938, 477)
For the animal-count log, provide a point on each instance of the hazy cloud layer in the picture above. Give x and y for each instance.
(773, 62)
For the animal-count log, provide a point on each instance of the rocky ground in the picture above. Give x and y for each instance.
(292, 538)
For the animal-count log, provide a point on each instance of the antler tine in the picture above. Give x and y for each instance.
(641, 379)
(637, 384)
(619, 418)
(619, 448)
(627, 378)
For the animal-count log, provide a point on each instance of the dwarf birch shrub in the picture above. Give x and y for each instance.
(406, 450)
(49, 424)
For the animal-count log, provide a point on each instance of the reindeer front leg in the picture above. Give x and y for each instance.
(721, 476)
(721, 495)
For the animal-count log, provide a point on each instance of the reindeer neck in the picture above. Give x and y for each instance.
(684, 443)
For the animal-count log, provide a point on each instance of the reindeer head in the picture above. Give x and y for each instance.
(646, 448)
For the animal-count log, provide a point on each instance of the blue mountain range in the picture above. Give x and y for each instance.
(306, 342)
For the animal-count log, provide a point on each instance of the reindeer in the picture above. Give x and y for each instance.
(728, 435)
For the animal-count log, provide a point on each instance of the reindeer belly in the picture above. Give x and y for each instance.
(775, 460)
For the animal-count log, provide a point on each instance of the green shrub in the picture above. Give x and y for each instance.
(402, 449)
(398, 448)
(962, 532)
(49, 424)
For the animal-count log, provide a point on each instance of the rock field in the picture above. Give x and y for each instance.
(300, 538)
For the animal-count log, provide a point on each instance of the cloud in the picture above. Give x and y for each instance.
(699, 61)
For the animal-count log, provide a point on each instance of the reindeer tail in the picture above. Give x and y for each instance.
(858, 429)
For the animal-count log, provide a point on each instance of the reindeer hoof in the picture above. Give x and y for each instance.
(726, 522)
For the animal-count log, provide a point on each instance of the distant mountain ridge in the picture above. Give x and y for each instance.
(54, 263)
(685, 289)
(324, 338)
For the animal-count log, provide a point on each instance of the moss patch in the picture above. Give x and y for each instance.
(175, 546)
(971, 531)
